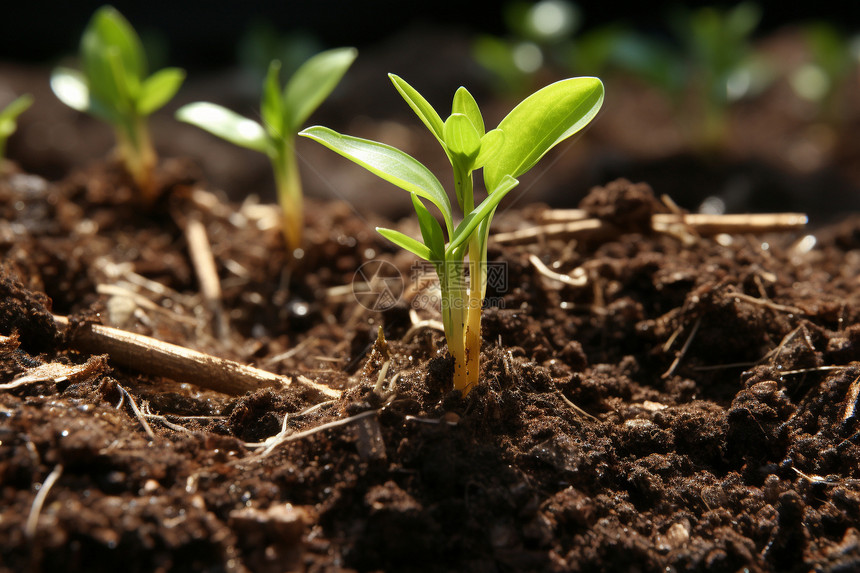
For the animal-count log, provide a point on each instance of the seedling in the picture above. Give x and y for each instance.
(536, 125)
(538, 33)
(722, 64)
(283, 113)
(833, 59)
(9, 120)
(113, 85)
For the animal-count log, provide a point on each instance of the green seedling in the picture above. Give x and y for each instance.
(283, 113)
(721, 62)
(114, 86)
(9, 120)
(822, 80)
(538, 33)
(527, 133)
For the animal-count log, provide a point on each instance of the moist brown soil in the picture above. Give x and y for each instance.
(692, 407)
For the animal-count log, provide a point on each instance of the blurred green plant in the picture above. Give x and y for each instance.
(9, 120)
(114, 86)
(834, 56)
(538, 34)
(524, 136)
(721, 65)
(708, 65)
(283, 113)
(262, 43)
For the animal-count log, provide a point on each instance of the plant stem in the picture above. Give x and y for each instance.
(454, 316)
(138, 155)
(289, 187)
(467, 367)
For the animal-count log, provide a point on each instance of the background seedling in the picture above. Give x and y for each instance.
(113, 85)
(834, 56)
(283, 113)
(539, 33)
(536, 125)
(720, 63)
(9, 120)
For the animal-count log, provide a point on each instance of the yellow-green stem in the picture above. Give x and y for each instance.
(289, 186)
(467, 366)
(473, 318)
(138, 155)
(454, 318)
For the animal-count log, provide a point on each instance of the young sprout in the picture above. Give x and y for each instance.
(113, 85)
(536, 125)
(722, 63)
(283, 113)
(833, 58)
(9, 120)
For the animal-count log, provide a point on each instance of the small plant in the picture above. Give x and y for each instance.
(9, 120)
(113, 85)
(721, 63)
(283, 113)
(833, 58)
(536, 125)
(537, 34)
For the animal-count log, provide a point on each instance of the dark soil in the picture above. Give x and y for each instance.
(692, 407)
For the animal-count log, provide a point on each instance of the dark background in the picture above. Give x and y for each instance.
(204, 33)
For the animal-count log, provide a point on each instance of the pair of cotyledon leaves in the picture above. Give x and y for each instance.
(283, 111)
(113, 83)
(527, 133)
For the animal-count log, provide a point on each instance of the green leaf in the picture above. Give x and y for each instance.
(18, 106)
(421, 107)
(461, 137)
(388, 163)
(71, 87)
(491, 143)
(113, 58)
(313, 82)
(405, 241)
(431, 230)
(464, 103)
(225, 124)
(540, 122)
(272, 107)
(481, 212)
(158, 89)
(108, 28)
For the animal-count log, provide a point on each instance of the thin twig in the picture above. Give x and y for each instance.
(576, 408)
(138, 414)
(552, 230)
(683, 351)
(207, 274)
(563, 215)
(766, 303)
(706, 224)
(39, 501)
(157, 358)
(281, 439)
(292, 351)
(702, 224)
(814, 369)
(118, 290)
(581, 279)
(432, 421)
(380, 380)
